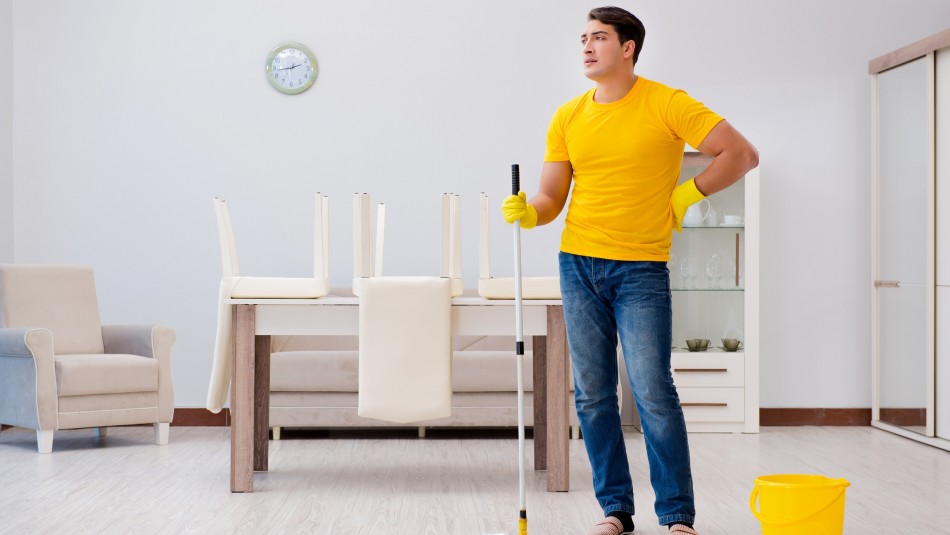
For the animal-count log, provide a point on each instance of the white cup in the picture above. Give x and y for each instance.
(731, 220)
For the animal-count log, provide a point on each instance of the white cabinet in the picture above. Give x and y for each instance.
(714, 277)
(911, 241)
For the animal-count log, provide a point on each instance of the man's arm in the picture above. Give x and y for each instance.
(552, 192)
(733, 157)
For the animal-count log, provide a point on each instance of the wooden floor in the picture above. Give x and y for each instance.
(390, 482)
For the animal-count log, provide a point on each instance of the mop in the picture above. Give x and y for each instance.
(519, 355)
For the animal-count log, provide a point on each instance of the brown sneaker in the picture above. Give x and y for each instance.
(608, 526)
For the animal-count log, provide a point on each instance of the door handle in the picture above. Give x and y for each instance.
(887, 284)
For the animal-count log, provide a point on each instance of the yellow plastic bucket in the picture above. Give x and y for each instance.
(799, 504)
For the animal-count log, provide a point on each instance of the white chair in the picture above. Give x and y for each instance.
(235, 286)
(504, 287)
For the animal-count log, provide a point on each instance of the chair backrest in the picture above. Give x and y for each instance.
(60, 298)
(230, 266)
(364, 265)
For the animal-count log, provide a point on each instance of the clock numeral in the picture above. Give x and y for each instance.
(291, 84)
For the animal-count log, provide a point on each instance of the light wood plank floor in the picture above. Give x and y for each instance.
(450, 483)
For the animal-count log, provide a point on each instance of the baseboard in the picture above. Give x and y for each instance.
(191, 417)
(767, 417)
(793, 417)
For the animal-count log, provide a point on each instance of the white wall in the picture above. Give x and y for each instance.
(156, 107)
(6, 131)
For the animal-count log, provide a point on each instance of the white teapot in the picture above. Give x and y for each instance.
(697, 214)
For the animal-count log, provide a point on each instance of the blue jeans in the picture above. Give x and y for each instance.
(604, 298)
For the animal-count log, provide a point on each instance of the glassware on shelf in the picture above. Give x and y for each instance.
(688, 272)
(712, 271)
(727, 279)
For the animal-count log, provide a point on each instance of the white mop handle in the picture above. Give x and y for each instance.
(519, 351)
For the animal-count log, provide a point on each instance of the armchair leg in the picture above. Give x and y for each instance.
(161, 434)
(102, 432)
(44, 440)
(576, 432)
(276, 432)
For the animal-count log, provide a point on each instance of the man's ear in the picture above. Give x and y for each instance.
(629, 48)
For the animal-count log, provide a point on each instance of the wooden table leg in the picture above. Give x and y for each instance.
(540, 351)
(261, 401)
(242, 399)
(557, 389)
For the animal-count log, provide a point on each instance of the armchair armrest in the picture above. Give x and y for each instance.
(153, 341)
(144, 340)
(28, 396)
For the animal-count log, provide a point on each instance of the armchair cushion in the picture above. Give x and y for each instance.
(59, 298)
(78, 375)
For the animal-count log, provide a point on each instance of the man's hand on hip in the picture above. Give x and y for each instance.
(683, 196)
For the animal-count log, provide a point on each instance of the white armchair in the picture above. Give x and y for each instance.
(61, 369)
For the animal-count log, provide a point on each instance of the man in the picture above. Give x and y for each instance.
(621, 144)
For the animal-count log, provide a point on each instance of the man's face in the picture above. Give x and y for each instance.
(602, 51)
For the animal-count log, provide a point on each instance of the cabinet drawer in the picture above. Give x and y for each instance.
(713, 404)
(709, 370)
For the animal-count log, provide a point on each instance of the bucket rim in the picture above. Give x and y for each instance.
(826, 481)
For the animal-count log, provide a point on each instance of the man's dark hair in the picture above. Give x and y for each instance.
(628, 27)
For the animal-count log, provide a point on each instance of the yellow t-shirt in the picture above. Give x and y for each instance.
(626, 157)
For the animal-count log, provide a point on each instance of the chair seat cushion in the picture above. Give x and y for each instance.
(78, 375)
(279, 288)
(531, 288)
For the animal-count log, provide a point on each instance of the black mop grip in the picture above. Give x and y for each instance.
(515, 179)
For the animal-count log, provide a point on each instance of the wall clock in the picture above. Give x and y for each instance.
(291, 68)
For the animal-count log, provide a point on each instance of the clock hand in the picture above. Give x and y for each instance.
(294, 66)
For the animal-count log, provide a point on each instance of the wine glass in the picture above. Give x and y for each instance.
(689, 271)
(712, 270)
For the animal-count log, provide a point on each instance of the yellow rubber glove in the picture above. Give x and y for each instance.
(683, 196)
(516, 207)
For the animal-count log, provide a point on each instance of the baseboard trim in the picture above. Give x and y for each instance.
(795, 417)
(767, 417)
(191, 417)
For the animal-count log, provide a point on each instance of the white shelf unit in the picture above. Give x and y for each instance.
(718, 389)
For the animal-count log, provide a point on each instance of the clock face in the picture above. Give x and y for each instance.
(291, 68)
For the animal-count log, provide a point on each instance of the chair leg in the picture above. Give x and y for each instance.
(576, 432)
(102, 432)
(276, 432)
(161, 434)
(422, 431)
(44, 440)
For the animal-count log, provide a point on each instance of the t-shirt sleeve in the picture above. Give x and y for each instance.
(690, 119)
(556, 146)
